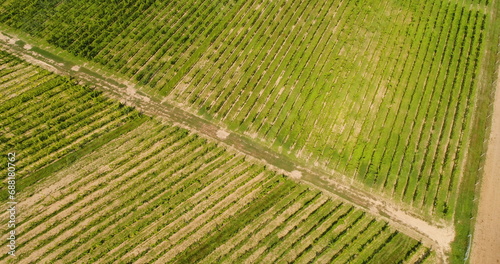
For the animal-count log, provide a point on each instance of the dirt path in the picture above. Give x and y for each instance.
(435, 235)
(486, 244)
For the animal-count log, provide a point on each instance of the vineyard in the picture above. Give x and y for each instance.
(188, 199)
(385, 99)
(148, 41)
(380, 91)
(48, 117)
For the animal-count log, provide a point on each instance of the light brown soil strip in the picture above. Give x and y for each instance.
(486, 243)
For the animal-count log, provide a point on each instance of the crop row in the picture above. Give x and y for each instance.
(381, 92)
(45, 117)
(384, 99)
(152, 42)
(187, 200)
(157, 193)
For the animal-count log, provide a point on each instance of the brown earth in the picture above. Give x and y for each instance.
(486, 242)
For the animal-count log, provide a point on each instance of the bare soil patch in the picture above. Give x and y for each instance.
(296, 174)
(222, 134)
(486, 242)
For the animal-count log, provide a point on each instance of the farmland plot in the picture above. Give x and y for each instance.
(380, 91)
(158, 193)
(48, 117)
(151, 42)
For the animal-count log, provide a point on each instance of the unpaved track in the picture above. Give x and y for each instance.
(486, 244)
(437, 236)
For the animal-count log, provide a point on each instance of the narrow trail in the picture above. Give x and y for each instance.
(486, 240)
(438, 236)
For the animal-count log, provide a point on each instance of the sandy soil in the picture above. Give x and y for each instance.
(222, 134)
(486, 244)
(296, 174)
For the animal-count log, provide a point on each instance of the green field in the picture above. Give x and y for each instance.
(53, 120)
(392, 97)
(381, 91)
(100, 183)
(151, 42)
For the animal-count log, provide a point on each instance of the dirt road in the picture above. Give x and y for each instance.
(486, 243)
(432, 235)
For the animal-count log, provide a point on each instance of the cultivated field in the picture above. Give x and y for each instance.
(152, 42)
(47, 117)
(387, 97)
(153, 192)
(381, 91)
